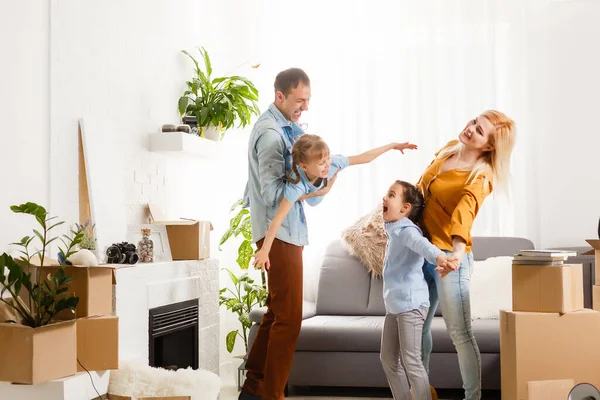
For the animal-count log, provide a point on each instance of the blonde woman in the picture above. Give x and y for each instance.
(454, 186)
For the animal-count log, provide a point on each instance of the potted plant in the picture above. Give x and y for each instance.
(216, 103)
(36, 302)
(245, 294)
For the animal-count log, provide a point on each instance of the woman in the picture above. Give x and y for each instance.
(454, 186)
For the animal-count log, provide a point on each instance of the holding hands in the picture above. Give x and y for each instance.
(447, 264)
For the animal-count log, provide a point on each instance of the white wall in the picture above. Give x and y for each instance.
(119, 68)
(24, 113)
(568, 141)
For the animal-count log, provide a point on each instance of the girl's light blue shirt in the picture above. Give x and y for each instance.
(404, 285)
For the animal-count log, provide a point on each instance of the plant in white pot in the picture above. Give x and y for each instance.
(217, 103)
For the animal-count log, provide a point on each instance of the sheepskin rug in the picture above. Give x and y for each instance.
(138, 380)
(366, 240)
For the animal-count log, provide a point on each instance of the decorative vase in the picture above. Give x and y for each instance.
(598, 228)
(211, 132)
(146, 246)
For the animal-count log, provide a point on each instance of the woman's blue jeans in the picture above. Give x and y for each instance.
(452, 294)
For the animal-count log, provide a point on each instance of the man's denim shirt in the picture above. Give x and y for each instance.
(269, 161)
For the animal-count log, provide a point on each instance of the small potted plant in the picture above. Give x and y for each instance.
(36, 301)
(214, 105)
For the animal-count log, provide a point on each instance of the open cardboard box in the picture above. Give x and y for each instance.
(541, 288)
(595, 243)
(188, 239)
(36, 355)
(93, 286)
(98, 343)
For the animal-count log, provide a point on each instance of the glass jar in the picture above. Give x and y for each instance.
(146, 246)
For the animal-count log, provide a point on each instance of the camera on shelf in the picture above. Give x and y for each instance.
(122, 253)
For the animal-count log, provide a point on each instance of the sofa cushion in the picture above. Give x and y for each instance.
(363, 333)
(376, 306)
(343, 283)
(340, 333)
(366, 239)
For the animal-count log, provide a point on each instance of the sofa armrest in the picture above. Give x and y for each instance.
(257, 314)
(309, 309)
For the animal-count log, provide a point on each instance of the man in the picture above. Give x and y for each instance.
(269, 161)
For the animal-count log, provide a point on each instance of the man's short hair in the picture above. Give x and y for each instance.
(289, 79)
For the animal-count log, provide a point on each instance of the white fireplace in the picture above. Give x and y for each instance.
(143, 287)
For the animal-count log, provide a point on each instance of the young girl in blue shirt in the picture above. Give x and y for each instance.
(405, 292)
(312, 167)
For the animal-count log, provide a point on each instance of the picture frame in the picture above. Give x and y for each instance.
(162, 250)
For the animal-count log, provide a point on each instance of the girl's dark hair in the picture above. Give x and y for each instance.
(413, 196)
(307, 148)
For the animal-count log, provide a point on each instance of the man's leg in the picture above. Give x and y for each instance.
(285, 285)
(271, 355)
(255, 362)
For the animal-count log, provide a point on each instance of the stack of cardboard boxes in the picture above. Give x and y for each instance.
(86, 340)
(548, 340)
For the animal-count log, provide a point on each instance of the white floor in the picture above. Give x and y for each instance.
(229, 390)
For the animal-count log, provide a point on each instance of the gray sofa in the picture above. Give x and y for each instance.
(340, 337)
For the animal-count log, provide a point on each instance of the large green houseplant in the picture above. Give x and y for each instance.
(245, 294)
(46, 293)
(217, 103)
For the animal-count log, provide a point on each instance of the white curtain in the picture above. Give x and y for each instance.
(400, 71)
(413, 71)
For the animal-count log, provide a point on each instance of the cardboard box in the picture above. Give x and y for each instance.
(540, 288)
(547, 346)
(550, 390)
(188, 239)
(596, 297)
(36, 355)
(595, 243)
(93, 286)
(116, 397)
(98, 343)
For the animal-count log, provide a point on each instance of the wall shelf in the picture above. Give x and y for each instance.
(181, 142)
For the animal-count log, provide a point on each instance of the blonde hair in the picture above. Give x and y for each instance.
(497, 160)
(306, 149)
